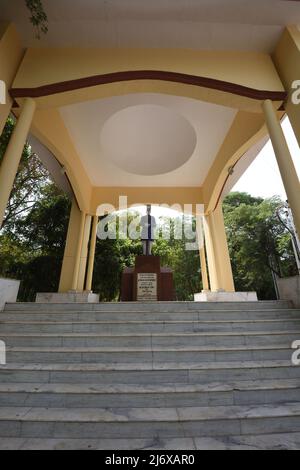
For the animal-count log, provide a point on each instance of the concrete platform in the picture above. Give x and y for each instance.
(66, 297)
(208, 296)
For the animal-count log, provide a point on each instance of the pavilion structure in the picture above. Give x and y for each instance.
(165, 104)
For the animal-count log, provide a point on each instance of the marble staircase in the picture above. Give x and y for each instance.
(165, 375)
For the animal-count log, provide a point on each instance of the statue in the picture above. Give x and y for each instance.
(147, 281)
(148, 224)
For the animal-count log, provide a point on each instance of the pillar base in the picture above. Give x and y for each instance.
(222, 296)
(289, 289)
(79, 297)
(9, 289)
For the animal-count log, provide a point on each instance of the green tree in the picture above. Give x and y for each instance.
(184, 263)
(30, 180)
(33, 251)
(258, 243)
(111, 257)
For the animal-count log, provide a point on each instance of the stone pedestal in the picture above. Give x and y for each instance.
(9, 289)
(67, 297)
(147, 281)
(289, 289)
(222, 296)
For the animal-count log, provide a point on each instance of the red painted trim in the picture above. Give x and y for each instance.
(211, 83)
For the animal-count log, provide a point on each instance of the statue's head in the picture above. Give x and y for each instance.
(148, 208)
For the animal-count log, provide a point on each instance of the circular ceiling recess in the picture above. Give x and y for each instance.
(148, 139)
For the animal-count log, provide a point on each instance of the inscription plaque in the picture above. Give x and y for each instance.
(146, 286)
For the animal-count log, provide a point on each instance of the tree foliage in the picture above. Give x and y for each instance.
(258, 243)
(38, 17)
(33, 252)
(29, 183)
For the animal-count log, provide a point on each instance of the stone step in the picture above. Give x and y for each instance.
(249, 338)
(156, 443)
(117, 316)
(148, 306)
(181, 422)
(280, 441)
(143, 396)
(119, 327)
(147, 354)
(148, 373)
(180, 375)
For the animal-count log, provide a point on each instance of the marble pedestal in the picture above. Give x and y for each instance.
(9, 289)
(222, 296)
(67, 297)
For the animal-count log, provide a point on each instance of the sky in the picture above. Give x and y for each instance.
(262, 178)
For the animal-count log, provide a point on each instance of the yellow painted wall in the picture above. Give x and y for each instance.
(11, 54)
(246, 130)
(49, 128)
(42, 66)
(58, 64)
(53, 65)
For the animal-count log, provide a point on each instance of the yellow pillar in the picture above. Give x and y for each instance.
(12, 157)
(89, 277)
(204, 274)
(78, 251)
(286, 58)
(284, 160)
(219, 265)
(11, 55)
(202, 255)
(84, 253)
(221, 248)
(68, 264)
(214, 280)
